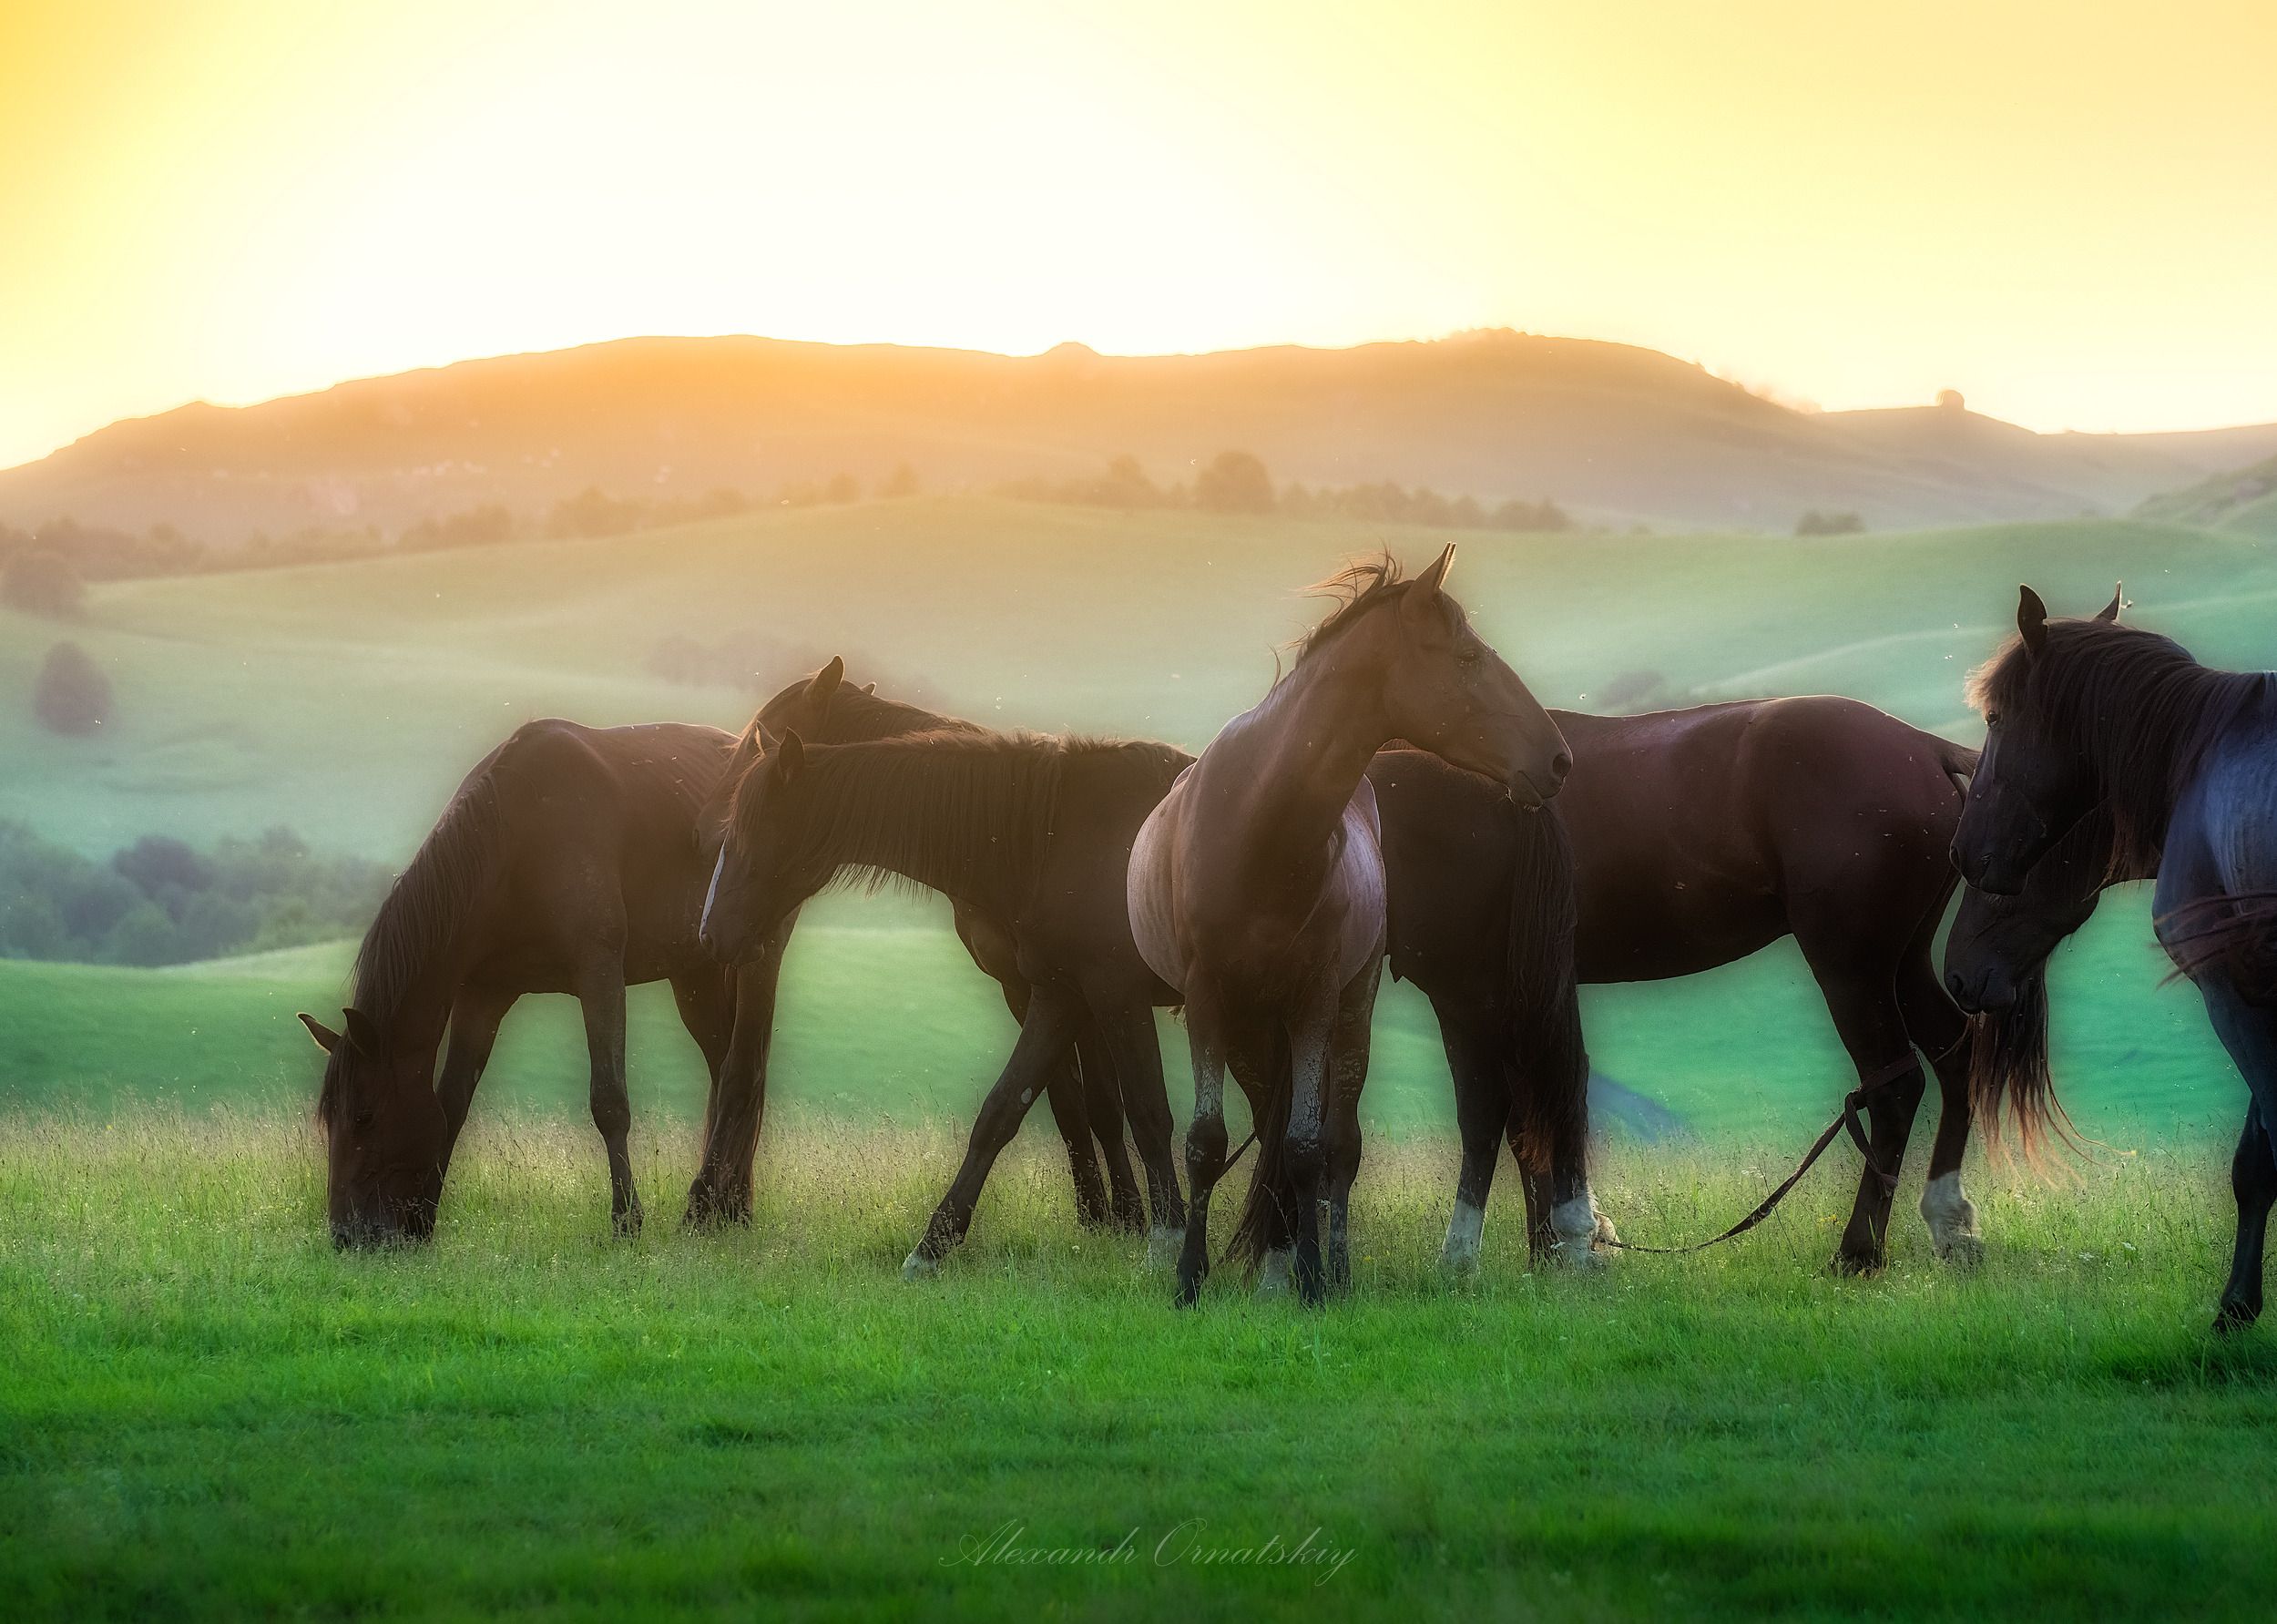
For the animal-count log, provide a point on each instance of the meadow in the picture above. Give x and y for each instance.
(206, 1413)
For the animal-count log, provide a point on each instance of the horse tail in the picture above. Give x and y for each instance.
(1547, 1047)
(1956, 761)
(2232, 935)
(1271, 1204)
(2009, 1068)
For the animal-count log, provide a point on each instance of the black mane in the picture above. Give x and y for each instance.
(2132, 703)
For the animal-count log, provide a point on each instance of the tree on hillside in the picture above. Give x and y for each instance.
(593, 511)
(42, 581)
(843, 487)
(478, 526)
(901, 482)
(71, 695)
(1234, 482)
(1814, 522)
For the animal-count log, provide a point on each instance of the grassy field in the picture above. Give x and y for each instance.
(206, 1413)
(348, 699)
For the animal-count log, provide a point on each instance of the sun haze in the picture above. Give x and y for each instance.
(2067, 210)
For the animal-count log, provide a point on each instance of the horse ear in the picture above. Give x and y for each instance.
(326, 1038)
(824, 688)
(361, 1032)
(2031, 620)
(2108, 613)
(1424, 595)
(869, 687)
(746, 750)
(789, 757)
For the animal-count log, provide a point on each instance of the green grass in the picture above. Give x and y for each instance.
(206, 1413)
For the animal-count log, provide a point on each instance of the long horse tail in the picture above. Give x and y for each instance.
(1547, 1047)
(2008, 1074)
(2232, 935)
(1271, 1204)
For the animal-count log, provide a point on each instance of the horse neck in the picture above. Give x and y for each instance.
(917, 822)
(1306, 748)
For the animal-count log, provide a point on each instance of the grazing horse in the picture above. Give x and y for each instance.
(1257, 890)
(567, 863)
(1032, 833)
(2086, 713)
(824, 708)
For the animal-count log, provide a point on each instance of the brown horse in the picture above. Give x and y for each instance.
(1031, 832)
(1257, 890)
(1703, 835)
(567, 863)
(824, 708)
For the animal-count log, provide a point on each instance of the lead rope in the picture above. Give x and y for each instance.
(1847, 1118)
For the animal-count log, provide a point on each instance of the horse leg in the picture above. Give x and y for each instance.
(475, 1015)
(1252, 1069)
(602, 993)
(995, 950)
(1205, 1149)
(1045, 1036)
(705, 998)
(1134, 1057)
(1103, 1105)
(1349, 1042)
(1941, 1031)
(1311, 1056)
(2250, 1034)
(721, 1192)
(1864, 1006)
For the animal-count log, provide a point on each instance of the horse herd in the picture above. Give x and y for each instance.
(1399, 798)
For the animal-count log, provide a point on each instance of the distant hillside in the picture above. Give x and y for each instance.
(1616, 433)
(2244, 499)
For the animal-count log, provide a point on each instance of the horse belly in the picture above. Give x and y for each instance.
(1147, 892)
(1361, 891)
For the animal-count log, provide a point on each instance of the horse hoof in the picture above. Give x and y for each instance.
(626, 1225)
(1963, 1252)
(918, 1266)
(1163, 1246)
(1189, 1291)
(1854, 1268)
(2233, 1317)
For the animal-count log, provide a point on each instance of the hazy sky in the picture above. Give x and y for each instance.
(2068, 209)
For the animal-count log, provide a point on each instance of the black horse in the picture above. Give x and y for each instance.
(2085, 714)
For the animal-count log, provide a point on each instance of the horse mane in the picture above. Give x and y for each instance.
(857, 715)
(424, 909)
(2133, 702)
(1361, 586)
(971, 809)
(2008, 1063)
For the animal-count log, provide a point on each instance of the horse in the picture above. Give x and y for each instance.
(1996, 964)
(824, 708)
(566, 862)
(1028, 830)
(1703, 835)
(1257, 890)
(2086, 713)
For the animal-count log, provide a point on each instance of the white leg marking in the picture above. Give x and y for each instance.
(1952, 1220)
(1460, 1255)
(1163, 1245)
(918, 1267)
(1575, 1222)
(1277, 1273)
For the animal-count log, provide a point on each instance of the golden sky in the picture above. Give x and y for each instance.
(2068, 210)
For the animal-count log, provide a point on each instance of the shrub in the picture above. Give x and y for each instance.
(71, 696)
(1234, 482)
(1814, 522)
(42, 581)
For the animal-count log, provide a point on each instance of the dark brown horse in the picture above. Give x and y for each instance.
(1257, 889)
(567, 863)
(1703, 835)
(825, 709)
(1031, 832)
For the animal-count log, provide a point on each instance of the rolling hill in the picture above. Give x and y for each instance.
(1616, 433)
(2244, 500)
